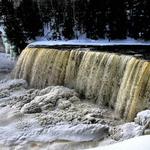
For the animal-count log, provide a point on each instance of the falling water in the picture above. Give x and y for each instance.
(120, 82)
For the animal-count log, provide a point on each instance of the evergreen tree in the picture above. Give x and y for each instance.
(140, 19)
(80, 18)
(146, 20)
(90, 25)
(0, 9)
(112, 19)
(57, 18)
(128, 5)
(116, 21)
(95, 22)
(68, 21)
(45, 9)
(136, 18)
(13, 27)
(28, 13)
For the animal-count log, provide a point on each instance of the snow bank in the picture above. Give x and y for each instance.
(61, 115)
(6, 63)
(100, 42)
(143, 118)
(138, 143)
(67, 123)
(126, 131)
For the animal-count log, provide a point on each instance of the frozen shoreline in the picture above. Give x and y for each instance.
(22, 123)
(55, 118)
(6, 65)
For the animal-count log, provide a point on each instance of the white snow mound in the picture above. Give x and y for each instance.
(137, 143)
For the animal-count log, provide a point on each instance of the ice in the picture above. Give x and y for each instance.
(19, 127)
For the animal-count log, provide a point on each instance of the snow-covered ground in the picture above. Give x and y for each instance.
(51, 117)
(138, 143)
(6, 62)
(6, 65)
(85, 41)
(55, 118)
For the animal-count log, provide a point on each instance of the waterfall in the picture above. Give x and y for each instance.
(116, 81)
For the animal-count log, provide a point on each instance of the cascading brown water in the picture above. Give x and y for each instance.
(117, 81)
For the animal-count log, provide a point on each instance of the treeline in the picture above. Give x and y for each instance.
(68, 19)
(21, 22)
(112, 19)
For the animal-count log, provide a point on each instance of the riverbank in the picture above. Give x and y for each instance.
(56, 118)
(6, 65)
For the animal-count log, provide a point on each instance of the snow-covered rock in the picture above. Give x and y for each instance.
(126, 131)
(57, 113)
(10, 84)
(57, 95)
(143, 118)
(64, 121)
(141, 126)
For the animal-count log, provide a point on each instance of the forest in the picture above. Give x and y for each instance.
(68, 19)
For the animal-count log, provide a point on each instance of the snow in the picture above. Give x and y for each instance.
(126, 131)
(2, 29)
(6, 62)
(23, 130)
(143, 117)
(138, 143)
(48, 126)
(8, 84)
(6, 65)
(89, 42)
(16, 127)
